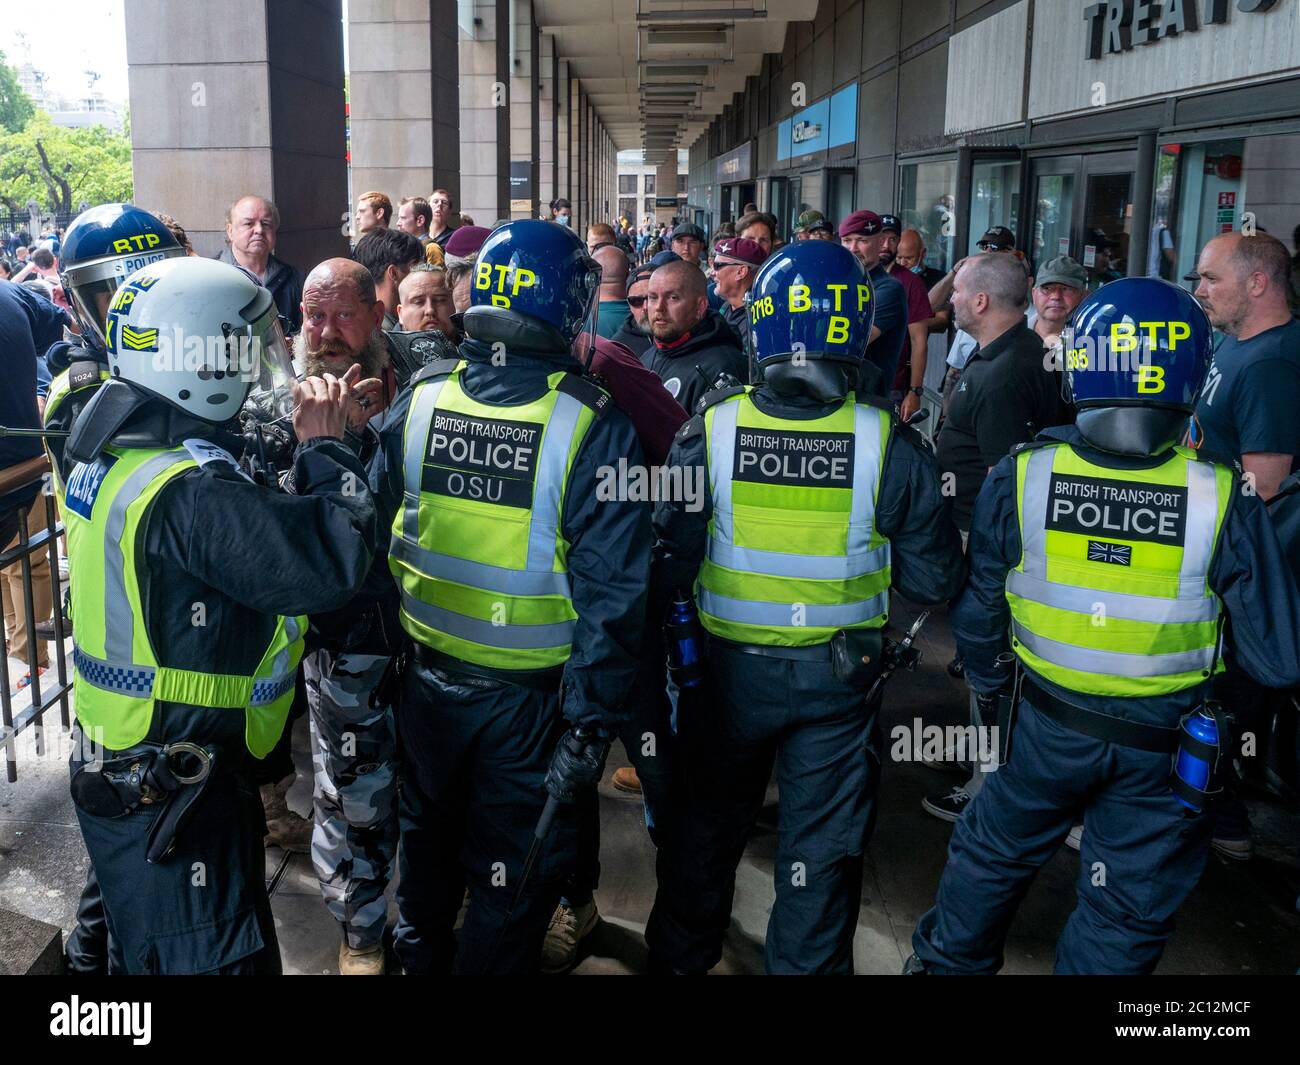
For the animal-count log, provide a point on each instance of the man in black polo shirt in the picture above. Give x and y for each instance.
(1007, 393)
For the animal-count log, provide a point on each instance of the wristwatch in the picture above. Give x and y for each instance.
(917, 390)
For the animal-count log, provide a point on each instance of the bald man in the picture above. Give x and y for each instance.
(693, 347)
(252, 226)
(614, 268)
(354, 842)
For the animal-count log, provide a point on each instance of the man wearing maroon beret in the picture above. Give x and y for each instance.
(735, 265)
(863, 234)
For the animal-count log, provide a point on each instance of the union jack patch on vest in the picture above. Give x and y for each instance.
(1115, 554)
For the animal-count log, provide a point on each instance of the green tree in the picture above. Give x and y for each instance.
(59, 168)
(16, 108)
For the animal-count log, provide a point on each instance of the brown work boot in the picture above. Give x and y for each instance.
(361, 961)
(625, 779)
(284, 828)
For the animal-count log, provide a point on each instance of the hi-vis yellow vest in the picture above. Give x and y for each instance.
(477, 550)
(118, 677)
(794, 554)
(1111, 596)
(60, 389)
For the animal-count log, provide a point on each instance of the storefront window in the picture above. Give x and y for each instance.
(927, 195)
(994, 199)
(1200, 193)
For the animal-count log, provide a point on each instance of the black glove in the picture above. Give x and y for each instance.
(577, 764)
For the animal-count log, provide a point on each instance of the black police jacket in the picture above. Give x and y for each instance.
(1249, 573)
(610, 539)
(911, 511)
(691, 367)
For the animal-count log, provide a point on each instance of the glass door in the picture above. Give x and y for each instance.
(1053, 192)
(1107, 222)
(1083, 207)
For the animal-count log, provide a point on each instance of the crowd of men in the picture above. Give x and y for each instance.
(431, 731)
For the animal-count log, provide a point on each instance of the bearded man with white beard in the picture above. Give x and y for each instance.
(354, 840)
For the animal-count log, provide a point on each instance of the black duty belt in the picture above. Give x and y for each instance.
(818, 652)
(547, 680)
(1101, 726)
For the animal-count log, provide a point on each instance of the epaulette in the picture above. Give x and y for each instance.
(717, 395)
(82, 374)
(586, 392)
(693, 426)
(437, 368)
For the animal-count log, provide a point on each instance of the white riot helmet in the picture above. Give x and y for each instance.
(197, 334)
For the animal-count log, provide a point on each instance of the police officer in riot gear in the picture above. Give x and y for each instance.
(523, 593)
(1107, 560)
(816, 502)
(190, 588)
(101, 247)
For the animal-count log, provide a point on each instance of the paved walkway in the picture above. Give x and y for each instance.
(1241, 918)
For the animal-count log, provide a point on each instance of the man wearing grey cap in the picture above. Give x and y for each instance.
(1059, 288)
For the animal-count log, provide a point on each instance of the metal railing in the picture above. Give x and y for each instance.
(11, 480)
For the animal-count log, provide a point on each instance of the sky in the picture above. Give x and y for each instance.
(67, 38)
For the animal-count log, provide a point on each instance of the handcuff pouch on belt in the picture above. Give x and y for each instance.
(857, 656)
(171, 776)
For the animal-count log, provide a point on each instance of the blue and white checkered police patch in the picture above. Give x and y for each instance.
(136, 681)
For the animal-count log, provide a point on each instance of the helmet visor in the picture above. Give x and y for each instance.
(267, 365)
(90, 301)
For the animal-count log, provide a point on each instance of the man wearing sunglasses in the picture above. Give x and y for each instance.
(735, 265)
(634, 333)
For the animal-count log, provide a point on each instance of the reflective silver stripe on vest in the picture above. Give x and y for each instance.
(814, 567)
(520, 637)
(1153, 609)
(119, 621)
(1114, 663)
(479, 574)
(1033, 529)
(1202, 518)
(866, 472)
(548, 487)
(419, 421)
(722, 460)
(781, 615)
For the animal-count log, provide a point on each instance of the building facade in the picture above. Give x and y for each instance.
(1123, 133)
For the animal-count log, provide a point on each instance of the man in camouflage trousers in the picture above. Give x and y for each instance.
(354, 841)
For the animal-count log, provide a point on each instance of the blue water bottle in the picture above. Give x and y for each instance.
(1192, 766)
(685, 638)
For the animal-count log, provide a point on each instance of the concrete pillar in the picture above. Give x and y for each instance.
(485, 114)
(546, 120)
(575, 131)
(390, 98)
(563, 136)
(666, 185)
(524, 108)
(445, 84)
(218, 114)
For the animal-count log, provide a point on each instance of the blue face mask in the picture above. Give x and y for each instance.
(563, 219)
(918, 268)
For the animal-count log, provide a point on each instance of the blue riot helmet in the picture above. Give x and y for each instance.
(810, 314)
(533, 286)
(1136, 353)
(100, 249)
